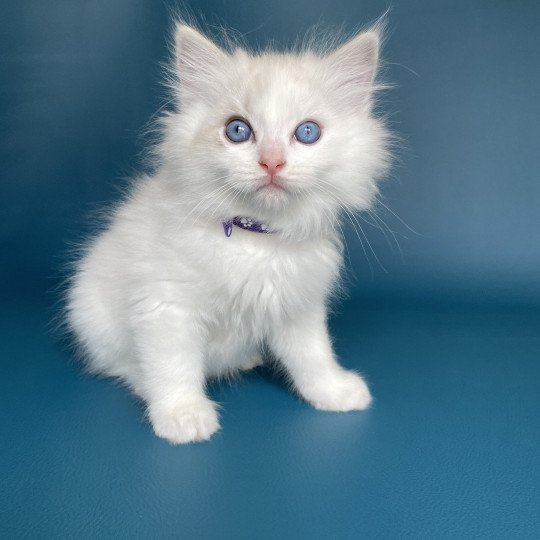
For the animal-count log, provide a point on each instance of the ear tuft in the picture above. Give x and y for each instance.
(354, 66)
(199, 62)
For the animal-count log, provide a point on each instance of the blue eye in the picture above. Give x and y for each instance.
(238, 131)
(307, 132)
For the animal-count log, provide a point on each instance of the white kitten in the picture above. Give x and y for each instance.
(165, 300)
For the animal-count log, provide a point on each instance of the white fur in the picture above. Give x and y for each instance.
(164, 301)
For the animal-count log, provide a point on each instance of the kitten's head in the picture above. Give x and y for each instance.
(284, 138)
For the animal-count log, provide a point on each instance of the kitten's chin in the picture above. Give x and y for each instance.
(271, 196)
(272, 189)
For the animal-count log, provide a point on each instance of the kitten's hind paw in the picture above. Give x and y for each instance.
(185, 422)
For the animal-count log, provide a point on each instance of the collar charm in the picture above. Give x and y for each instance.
(245, 223)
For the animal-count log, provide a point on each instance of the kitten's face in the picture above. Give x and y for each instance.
(274, 136)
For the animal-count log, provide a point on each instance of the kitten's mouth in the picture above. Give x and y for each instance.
(271, 185)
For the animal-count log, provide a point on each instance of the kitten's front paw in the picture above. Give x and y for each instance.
(185, 422)
(343, 391)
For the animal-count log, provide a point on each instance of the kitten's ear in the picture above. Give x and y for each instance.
(199, 64)
(353, 68)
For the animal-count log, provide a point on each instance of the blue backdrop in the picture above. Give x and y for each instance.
(446, 326)
(81, 80)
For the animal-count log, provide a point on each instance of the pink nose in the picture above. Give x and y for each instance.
(271, 165)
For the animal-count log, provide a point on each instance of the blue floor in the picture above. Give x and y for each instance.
(451, 448)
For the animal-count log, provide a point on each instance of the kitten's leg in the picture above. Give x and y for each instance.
(304, 348)
(172, 379)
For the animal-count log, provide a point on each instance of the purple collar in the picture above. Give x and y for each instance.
(245, 223)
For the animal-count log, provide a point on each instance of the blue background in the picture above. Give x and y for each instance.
(446, 326)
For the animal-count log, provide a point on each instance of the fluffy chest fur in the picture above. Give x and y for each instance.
(248, 280)
(254, 283)
(262, 279)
